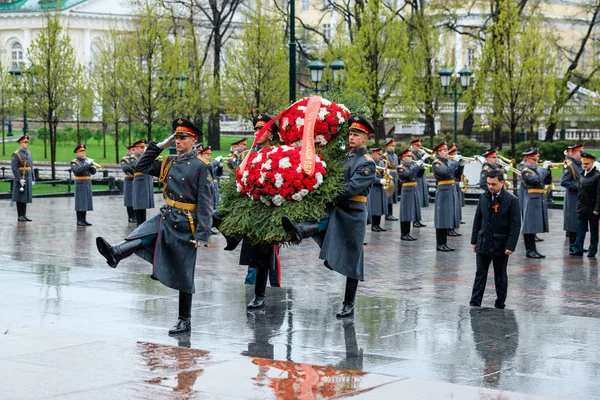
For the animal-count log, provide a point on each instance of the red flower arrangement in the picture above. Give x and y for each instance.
(274, 175)
(331, 117)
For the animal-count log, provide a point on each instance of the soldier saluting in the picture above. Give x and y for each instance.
(410, 201)
(128, 170)
(445, 196)
(392, 163)
(83, 168)
(377, 196)
(171, 238)
(422, 185)
(569, 179)
(22, 168)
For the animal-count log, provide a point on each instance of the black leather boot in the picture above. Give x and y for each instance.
(405, 231)
(262, 274)
(130, 215)
(349, 297)
(419, 224)
(453, 233)
(439, 240)
(184, 323)
(114, 254)
(297, 232)
(20, 213)
(80, 221)
(537, 239)
(140, 216)
(445, 239)
(232, 242)
(530, 251)
(572, 236)
(84, 218)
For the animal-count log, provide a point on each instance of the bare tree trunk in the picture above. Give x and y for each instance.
(3, 144)
(550, 132)
(430, 128)
(117, 141)
(53, 125)
(468, 123)
(45, 137)
(513, 150)
(104, 129)
(78, 134)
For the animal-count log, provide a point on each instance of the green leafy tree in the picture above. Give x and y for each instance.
(256, 77)
(376, 59)
(5, 97)
(52, 58)
(83, 100)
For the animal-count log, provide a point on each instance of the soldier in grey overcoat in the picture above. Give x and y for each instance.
(445, 217)
(170, 240)
(392, 164)
(341, 234)
(453, 155)
(237, 148)
(83, 168)
(378, 202)
(572, 170)
(128, 182)
(535, 208)
(23, 179)
(143, 186)
(422, 185)
(410, 201)
(490, 164)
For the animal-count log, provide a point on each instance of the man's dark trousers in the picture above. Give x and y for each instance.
(582, 227)
(500, 279)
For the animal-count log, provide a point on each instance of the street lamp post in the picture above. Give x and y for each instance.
(25, 80)
(465, 79)
(316, 68)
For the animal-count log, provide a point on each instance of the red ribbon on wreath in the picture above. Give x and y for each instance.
(307, 155)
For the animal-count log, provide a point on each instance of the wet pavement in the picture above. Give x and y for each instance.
(67, 317)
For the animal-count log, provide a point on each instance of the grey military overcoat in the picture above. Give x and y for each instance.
(422, 185)
(83, 172)
(535, 207)
(392, 159)
(445, 215)
(22, 168)
(410, 201)
(143, 187)
(570, 181)
(377, 196)
(127, 180)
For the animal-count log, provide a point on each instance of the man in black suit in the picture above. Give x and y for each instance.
(495, 234)
(588, 206)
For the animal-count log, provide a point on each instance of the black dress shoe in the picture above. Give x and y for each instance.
(390, 218)
(26, 219)
(153, 277)
(86, 223)
(441, 247)
(411, 238)
(576, 253)
(347, 311)
(381, 229)
(131, 220)
(453, 233)
(448, 248)
(407, 238)
(257, 302)
(183, 325)
(419, 224)
(462, 222)
(532, 254)
(81, 223)
(591, 255)
(22, 219)
(375, 228)
(537, 239)
(540, 255)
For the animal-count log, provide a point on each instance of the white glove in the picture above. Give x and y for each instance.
(505, 177)
(597, 165)
(90, 161)
(461, 184)
(420, 162)
(457, 158)
(32, 183)
(22, 182)
(219, 159)
(382, 181)
(220, 164)
(167, 142)
(426, 157)
(547, 164)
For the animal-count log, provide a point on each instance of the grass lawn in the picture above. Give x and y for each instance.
(95, 150)
(45, 188)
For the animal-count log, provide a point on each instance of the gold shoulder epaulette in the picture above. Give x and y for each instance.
(368, 157)
(487, 168)
(202, 159)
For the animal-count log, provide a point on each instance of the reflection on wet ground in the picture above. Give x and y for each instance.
(65, 314)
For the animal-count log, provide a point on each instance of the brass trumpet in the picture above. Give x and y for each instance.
(96, 165)
(509, 166)
(556, 164)
(232, 157)
(507, 160)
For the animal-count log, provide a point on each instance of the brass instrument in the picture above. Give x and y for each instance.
(426, 150)
(556, 164)
(389, 186)
(509, 165)
(506, 160)
(96, 165)
(465, 182)
(232, 157)
(550, 188)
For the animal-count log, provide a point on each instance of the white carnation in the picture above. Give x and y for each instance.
(257, 159)
(325, 102)
(303, 192)
(320, 139)
(287, 148)
(245, 177)
(278, 200)
(323, 113)
(299, 169)
(267, 165)
(302, 108)
(278, 180)
(238, 187)
(297, 197)
(299, 122)
(261, 180)
(341, 119)
(343, 107)
(285, 163)
(319, 178)
(273, 151)
(324, 165)
(265, 200)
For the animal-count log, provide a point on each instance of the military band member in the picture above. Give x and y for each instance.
(128, 182)
(490, 164)
(217, 166)
(588, 206)
(143, 186)
(83, 169)
(170, 240)
(23, 178)
(410, 201)
(572, 170)
(262, 259)
(392, 164)
(458, 184)
(377, 196)
(422, 185)
(237, 148)
(445, 196)
(535, 207)
(341, 234)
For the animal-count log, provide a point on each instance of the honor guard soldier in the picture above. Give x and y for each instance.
(588, 207)
(143, 186)
(535, 207)
(83, 168)
(217, 166)
(572, 170)
(410, 201)
(128, 182)
(342, 233)
(445, 196)
(23, 178)
(237, 148)
(392, 164)
(377, 196)
(170, 240)
(453, 155)
(422, 185)
(490, 164)
(262, 259)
